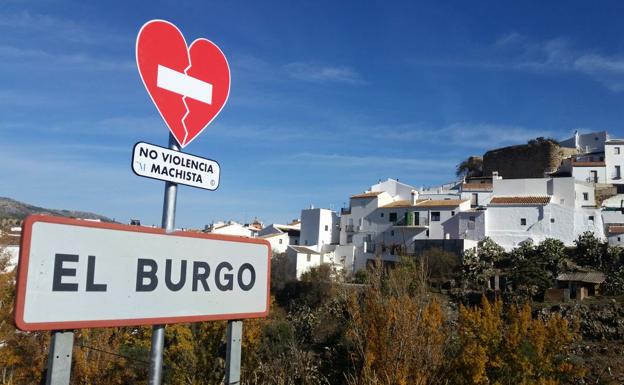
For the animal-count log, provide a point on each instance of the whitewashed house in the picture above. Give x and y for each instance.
(393, 218)
(281, 236)
(614, 159)
(538, 208)
(230, 228)
(319, 237)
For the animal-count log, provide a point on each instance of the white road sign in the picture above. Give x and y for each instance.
(77, 274)
(164, 164)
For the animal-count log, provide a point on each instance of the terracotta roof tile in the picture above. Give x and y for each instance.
(405, 203)
(521, 200)
(616, 229)
(367, 195)
(588, 164)
(440, 203)
(477, 186)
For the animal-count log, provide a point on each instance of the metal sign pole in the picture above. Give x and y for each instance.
(60, 358)
(168, 223)
(233, 353)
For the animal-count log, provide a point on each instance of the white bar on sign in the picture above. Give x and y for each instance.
(184, 85)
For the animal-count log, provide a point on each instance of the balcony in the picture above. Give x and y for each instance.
(412, 221)
(349, 228)
(345, 211)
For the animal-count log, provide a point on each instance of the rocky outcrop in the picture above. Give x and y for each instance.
(596, 321)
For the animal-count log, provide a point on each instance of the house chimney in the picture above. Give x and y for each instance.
(576, 139)
(414, 197)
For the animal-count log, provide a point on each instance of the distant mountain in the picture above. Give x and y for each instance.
(10, 209)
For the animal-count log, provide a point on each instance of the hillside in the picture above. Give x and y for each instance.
(12, 211)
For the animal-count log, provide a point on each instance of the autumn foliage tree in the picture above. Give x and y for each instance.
(512, 347)
(396, 328)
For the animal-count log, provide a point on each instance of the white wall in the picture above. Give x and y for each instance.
(398, 190)
(233, 229)
(472, 225)
(583, 190)
(483, 197)
(279, 242)
(612, 159)
(590, 142)
(504, 224)
(318, 227)
(616, 240)
(561, 189)
(584, 174)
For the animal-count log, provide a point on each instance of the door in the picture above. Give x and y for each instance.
(594, 176)
(474, 200)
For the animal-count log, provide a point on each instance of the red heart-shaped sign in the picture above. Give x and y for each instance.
(188, 85)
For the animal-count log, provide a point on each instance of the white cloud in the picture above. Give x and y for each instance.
(559, 55)
(27, 26)
(321, 73)
(461, 135)
(75, 61)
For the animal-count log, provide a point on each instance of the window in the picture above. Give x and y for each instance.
(349, 238)
(591, 218)
(472, 219)
(585, 196)
(616, 150)
(552, 220)
(427, 232)
(452, 213)
(393, 217)
(522, 221)
(309, 258)
(326, 228)
(435, 216)
(281, 241)
(296, 241)
(306, 242)
(382, 214)
(392, 233)
(617, 172)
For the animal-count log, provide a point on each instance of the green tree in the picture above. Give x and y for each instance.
(592, 252)
(552, 253)
(479, 265)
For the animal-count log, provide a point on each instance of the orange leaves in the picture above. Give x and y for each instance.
(511, 347)
(397, 328)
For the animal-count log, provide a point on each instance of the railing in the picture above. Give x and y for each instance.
(349, 228)
(413, 221)
(369, 247)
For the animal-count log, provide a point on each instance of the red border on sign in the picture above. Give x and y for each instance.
(22, 274)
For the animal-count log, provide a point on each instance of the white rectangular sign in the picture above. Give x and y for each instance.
(77, 274)
(164, 164)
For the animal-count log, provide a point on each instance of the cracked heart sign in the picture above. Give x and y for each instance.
(189, 84)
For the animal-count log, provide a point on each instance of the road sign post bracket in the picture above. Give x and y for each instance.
(60, 358)
(233, 353)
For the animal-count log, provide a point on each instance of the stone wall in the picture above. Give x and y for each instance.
(532, 160)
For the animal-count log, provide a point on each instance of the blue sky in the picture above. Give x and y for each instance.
(327, 97)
